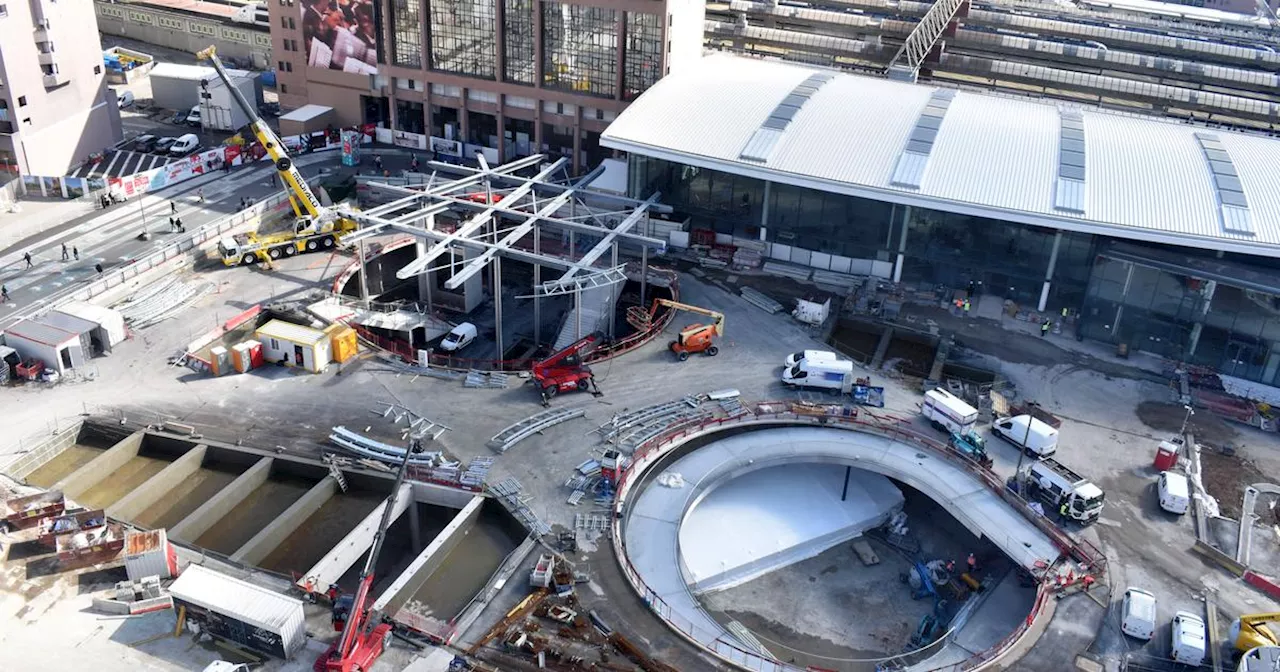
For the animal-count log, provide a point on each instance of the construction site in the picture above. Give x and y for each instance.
(488, 417)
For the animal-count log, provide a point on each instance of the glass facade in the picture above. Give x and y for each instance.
(643, 56)
(410, 116)
(517, 30)
(463, 39)
(406, 33)
(580, 49)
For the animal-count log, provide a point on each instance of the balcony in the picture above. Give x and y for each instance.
(55, 80)
(6, 127)
(42, 33)
(49, 58)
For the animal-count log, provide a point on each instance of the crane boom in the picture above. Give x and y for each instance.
(304, 201)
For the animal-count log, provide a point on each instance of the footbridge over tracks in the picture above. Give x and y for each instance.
(648, 516)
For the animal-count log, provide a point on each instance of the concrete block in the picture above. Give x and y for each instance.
(430, 559)
(110, 606)
(262, 543)
(79, 481)
(441, 495)
(199, 521)
(155, 488)
(353, 547)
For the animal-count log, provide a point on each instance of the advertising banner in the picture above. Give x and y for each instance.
(446, 147)
(341, 35)
(410, 140)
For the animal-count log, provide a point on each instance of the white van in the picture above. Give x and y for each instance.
(1174, 491)
(459, 338)
(193, 117)
(947, 412)
(184, 145)
(1040, 441)
(1138, 614)
(811, 355)
(1188, 639)
(835, 376)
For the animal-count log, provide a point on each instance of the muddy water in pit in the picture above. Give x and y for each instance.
(62, 465)
(259, 508)
(398, 550)
(317, 535)
(186, 497)
(466, 569)
(121, 482)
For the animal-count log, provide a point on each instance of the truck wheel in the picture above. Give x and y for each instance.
(327, 241)
(312, 245)
(275, 253)
(249, 259)
(683, 355)
(713, 351)
(290, 250)
(550, 390)
(583, 385)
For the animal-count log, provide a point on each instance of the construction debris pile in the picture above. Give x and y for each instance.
(161, 300)
(1203, 387)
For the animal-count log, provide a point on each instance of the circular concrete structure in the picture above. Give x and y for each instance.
(651, 515)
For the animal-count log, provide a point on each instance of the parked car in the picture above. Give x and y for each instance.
(1138, 614)
(124, 99)
(1174, 492)
(145, 143)
(1188, 639)
(460, 337)
(179, 117)
(193, 117)
(185, 145)
(163, 144)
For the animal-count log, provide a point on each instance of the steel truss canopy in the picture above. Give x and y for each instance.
(497, 196)
(905, 65)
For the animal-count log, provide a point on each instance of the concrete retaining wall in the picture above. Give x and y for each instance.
(440, 495)
(218, 506)
(427, 562)
(353, 546)
(262, 543)
(155, 488)
(79, 481)
(30, 460)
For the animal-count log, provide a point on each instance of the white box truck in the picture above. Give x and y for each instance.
(833, 375)
(1035, 437)
(949, 413)
(1054, 483)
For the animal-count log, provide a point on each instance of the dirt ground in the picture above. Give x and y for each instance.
(1207, 427)
(1226, 476)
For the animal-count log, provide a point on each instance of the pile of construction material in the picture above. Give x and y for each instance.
(161, 300)
(135, 597)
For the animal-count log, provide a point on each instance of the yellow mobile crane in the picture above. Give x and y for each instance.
(316, 228)
(1251, 630)
(693, 338)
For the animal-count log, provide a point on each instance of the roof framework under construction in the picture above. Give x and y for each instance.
(502, 205)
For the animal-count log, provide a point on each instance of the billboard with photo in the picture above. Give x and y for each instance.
(341, 35)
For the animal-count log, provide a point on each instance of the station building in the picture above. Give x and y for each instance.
(1163, 235)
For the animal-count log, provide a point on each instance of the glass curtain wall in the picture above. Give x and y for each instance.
(643, 55)
(517, 54)
(580, 49)
(463, 40)
(406, 33)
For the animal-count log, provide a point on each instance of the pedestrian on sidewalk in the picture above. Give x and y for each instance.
(200, 194)
(171, 226)
(1045, 326)
(377, 161)
(75, 251)
(27, 257)
(173, 207)
(966, 307)
(65, 254)
(181, 228)
(4, 293)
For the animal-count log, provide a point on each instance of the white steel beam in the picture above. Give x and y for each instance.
(906, 63)
(466, 170)
(376, 226)
(607, 242)
(475, 223)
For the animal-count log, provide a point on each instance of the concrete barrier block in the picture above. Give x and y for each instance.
(79, 481)
(262, 543)
(155, 488)
(199, 521)
(110, 606)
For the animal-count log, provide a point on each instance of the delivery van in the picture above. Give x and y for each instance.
(949, 413)
(184, 145)
(811, 355)
(1188, 639)
(1174, 492)
(835, 376)
(1038, 440)
(1138, 614)
(460, 337)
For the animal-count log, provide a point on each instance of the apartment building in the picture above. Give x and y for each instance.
(55, 107)
(512, 77)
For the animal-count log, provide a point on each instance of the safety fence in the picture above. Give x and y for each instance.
(646, 455)
(181, 248)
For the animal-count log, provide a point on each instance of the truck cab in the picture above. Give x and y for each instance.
(1056, 484)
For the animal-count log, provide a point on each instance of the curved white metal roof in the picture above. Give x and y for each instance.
(1003, 157)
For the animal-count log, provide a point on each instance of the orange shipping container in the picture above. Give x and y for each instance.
(344, 342)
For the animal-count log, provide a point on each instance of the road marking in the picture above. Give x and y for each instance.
(107, 170)
(1108, 522)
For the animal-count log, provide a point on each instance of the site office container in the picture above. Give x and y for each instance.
(149, 554)
(947, 411)
(241, 612)
(295, 345)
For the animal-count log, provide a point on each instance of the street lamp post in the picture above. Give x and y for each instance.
(1186, 419)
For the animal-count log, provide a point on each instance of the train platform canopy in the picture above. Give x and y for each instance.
(1037, 162)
